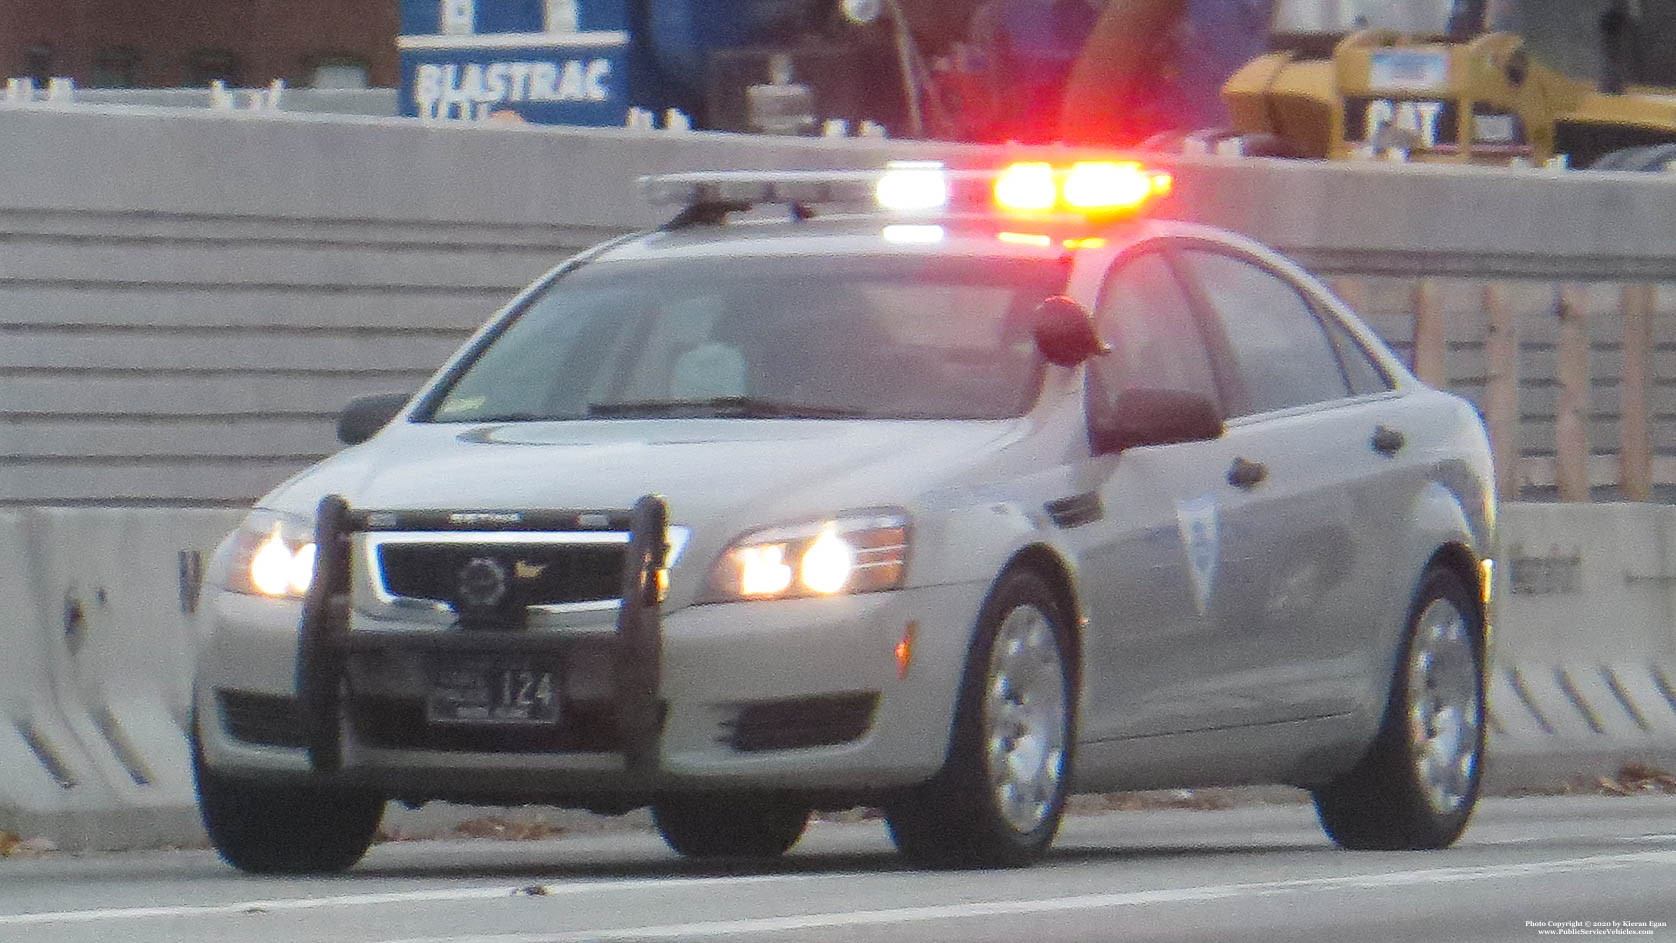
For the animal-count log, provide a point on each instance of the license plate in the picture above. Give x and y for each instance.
(493, 693)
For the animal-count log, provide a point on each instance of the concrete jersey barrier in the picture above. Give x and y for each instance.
(1584, 677)
(97, 679)
(93, 749)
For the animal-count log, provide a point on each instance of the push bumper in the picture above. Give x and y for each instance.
(795, 694)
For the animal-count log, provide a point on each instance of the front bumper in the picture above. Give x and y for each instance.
(800, 694)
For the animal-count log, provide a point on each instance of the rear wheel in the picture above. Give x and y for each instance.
(1417, 785)
(290, 828)
(730, 825)
(998, 800)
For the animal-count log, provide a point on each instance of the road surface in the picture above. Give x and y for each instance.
(1528, 869)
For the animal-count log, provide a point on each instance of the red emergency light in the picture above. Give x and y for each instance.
(1092, 187)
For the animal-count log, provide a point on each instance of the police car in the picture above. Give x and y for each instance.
(945, 492)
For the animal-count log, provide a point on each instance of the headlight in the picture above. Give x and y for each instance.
(863, 552)
(271, 554)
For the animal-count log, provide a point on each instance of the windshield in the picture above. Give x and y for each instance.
(1414, 17)
(888, 337)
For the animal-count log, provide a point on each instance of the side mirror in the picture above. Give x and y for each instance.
(1065, 332)
(1158, 417)
(365, 415)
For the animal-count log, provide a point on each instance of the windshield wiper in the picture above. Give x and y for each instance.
(732, 407)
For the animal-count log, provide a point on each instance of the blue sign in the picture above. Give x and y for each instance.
(488, 17)
(542, 61)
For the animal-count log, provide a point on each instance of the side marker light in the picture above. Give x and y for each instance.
(905, 649)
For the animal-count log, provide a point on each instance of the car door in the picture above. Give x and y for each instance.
(1388, 465)
(1151, 565)
(1296, 574)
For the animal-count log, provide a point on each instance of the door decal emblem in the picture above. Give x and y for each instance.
(1201, 537)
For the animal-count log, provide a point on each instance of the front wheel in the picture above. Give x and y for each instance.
(998, 800)
(289, 828)
(729, 825)
(1418, 784)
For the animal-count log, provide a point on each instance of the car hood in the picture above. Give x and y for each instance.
(736, 470)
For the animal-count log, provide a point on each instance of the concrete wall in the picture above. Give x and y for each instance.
(371, 102)
(187, 297)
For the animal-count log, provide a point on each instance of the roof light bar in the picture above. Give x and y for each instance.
(754, 189)
(910, 234)
(1031, 188)
(1039, 240)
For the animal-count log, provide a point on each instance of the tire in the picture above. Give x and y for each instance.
(1417, 785)
(267, 828)
(998, 800)
(730, 825)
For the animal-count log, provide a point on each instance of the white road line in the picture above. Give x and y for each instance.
(1002, 908)
(396, 897)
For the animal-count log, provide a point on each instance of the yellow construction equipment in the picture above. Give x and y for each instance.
(1481, 81)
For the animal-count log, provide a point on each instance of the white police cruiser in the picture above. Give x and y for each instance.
(943, 508)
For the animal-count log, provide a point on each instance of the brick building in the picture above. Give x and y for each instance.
(169, 43)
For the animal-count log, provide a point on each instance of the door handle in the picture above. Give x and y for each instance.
(1387, 441)
(1246, 474)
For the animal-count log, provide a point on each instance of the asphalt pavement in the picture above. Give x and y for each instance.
(1528, 869)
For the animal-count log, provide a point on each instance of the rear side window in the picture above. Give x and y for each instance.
(1281, 352)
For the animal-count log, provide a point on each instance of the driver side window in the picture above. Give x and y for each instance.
(1156, 342)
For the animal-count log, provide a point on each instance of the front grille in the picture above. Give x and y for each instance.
(826, 720)
(400, 724)
(262, 719)
(539, 574)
